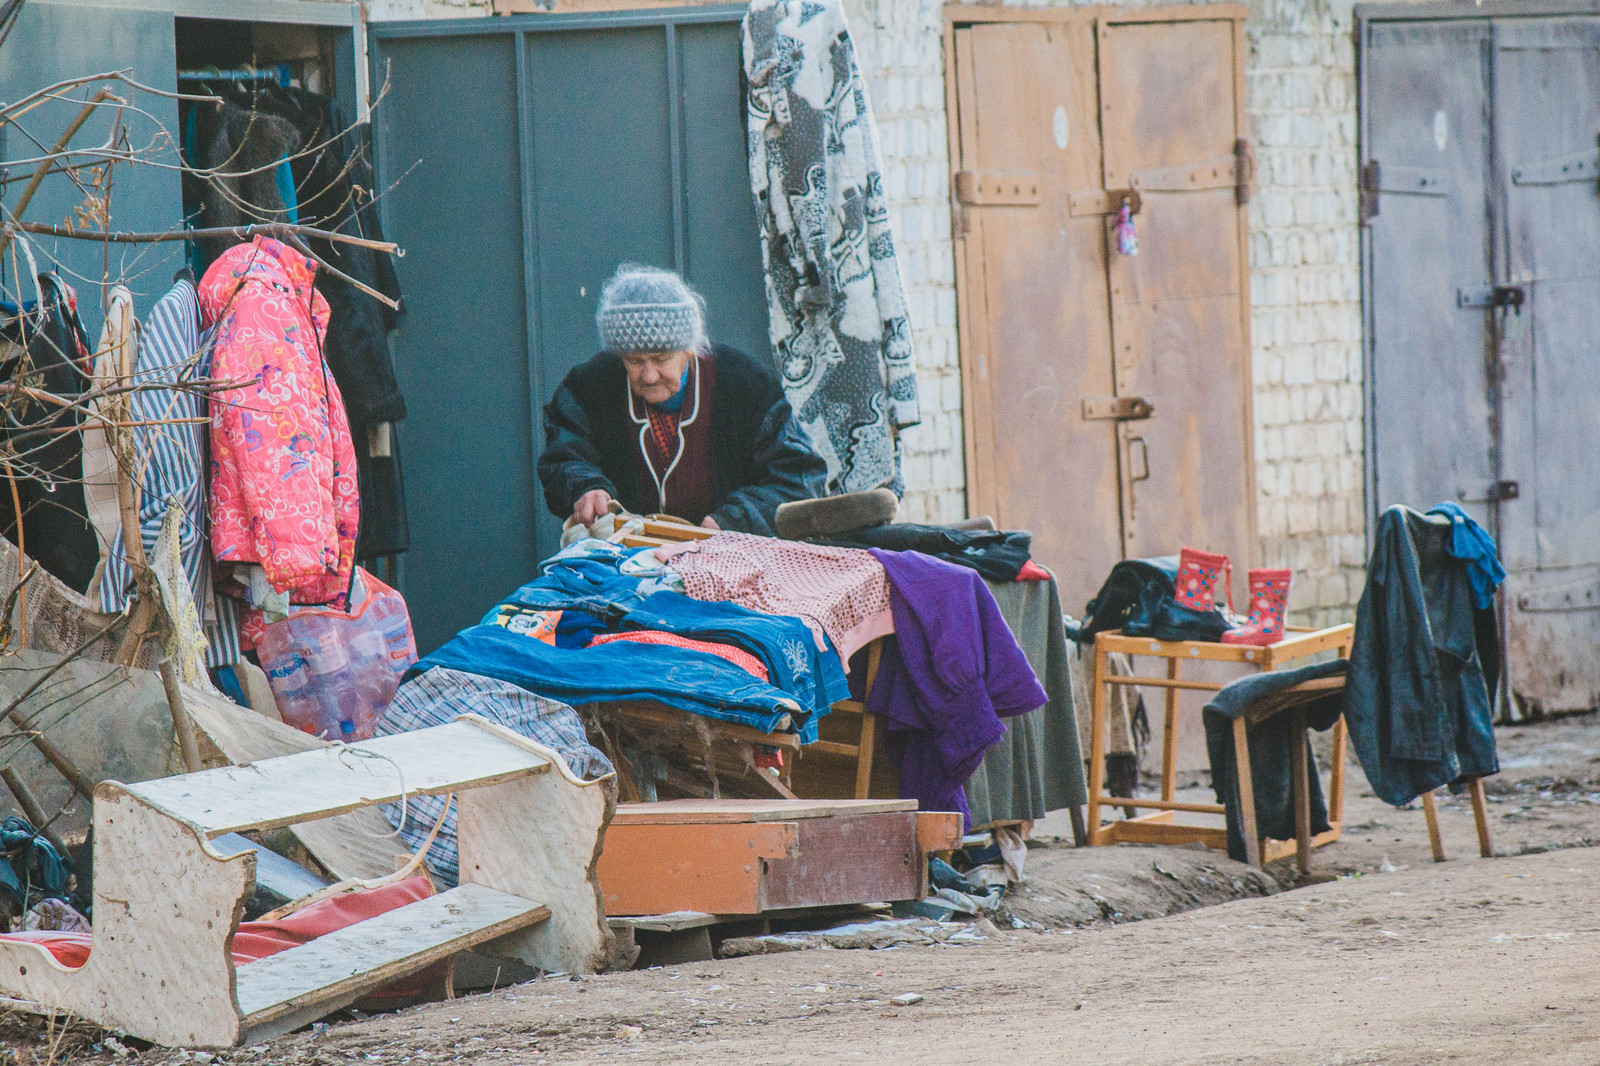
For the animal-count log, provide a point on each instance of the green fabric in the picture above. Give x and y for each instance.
(1037, 766)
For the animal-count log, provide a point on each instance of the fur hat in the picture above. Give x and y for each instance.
(643, 309)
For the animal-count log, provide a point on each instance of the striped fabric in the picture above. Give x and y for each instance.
(174, 462)
(439, 696)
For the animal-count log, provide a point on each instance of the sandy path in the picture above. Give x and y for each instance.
(1473, 961)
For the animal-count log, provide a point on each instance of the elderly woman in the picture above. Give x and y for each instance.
(663, 421)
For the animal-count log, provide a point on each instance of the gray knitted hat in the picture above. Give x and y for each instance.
(643, 309)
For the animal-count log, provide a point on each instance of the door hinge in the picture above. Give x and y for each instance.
(1371, 185)
(1116, 408)
(1244, 154)
(998, 188)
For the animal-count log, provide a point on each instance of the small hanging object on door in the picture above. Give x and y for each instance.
(1127, 236)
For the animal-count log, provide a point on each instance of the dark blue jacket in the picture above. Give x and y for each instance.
(1416, 702)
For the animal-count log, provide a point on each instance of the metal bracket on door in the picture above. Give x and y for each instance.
(998, 188)
(1580, 597)
(1507, 296)
(1212, 174)
(1116, 408)
(1579, 166)
(1103, 202)
(1407, 181)
(1496, 492)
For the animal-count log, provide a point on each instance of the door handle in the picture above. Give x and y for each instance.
(1144, 460)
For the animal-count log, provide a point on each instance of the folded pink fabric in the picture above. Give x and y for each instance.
(840, 593)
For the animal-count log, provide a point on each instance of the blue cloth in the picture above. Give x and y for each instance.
(783, 643)
(952, 672)
(1472, 544)
(1416, 700)
(689, 680)
(584, 578)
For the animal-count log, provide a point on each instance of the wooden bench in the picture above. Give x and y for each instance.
(167, 903)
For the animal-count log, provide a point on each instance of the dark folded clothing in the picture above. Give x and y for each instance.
(1270, 749)
(996, 554)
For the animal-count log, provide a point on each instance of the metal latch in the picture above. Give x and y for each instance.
(1497, 492)
(1506, 296)
(998, 188)
(1116, 408)
(1103, 202)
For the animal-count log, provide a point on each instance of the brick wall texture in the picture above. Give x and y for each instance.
(1304, 277)
(1304, 272)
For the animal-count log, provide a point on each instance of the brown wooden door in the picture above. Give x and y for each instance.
(1108, 395)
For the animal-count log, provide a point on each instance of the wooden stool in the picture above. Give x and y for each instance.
(1159, 828)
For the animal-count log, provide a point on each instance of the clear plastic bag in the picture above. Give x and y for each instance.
(333, 674)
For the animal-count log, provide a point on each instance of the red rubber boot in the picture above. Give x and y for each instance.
(1198, 574)
(1269, 601)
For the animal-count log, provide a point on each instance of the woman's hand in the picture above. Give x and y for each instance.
(591, 505)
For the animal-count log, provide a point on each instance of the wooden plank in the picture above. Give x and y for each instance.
(1480, 817)
(351, 845)
(711, 867)
(1163, 805)
(1273, 850)
(660, 714)
(675, 922)
(938, 830)
(959, 13)
(721, 812)
(1167, 683)
(540, 838)
(1138, 831)
(329, 781)
(1303, 643)
(1098, 694)
(870, 858)
(1300, 788)
(1169, 734)
(1430, 814)
(1247, 795)
(338, 968)
(166, 906)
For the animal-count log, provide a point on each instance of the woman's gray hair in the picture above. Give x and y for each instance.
(646, 309)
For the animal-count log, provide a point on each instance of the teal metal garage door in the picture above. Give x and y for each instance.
(521, 160)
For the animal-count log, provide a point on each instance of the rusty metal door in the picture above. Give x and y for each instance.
(1170, 115)
(1035, 338)
(1107, 396)
(1481, 197)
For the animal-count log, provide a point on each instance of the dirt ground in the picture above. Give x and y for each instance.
(1385, 957)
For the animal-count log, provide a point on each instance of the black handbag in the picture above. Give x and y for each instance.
(1139, 598)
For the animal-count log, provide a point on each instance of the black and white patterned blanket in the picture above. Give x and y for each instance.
(836, 303)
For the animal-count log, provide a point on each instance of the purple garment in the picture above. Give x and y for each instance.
(953, 671)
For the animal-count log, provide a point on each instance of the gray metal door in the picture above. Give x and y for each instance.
(1547, 121)
(1481, 203)
(524, 158)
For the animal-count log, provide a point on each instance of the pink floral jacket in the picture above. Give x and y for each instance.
(283, 466)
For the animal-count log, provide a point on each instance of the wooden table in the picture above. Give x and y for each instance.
(1159, 827)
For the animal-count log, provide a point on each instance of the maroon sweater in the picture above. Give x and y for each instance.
(690, 487)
